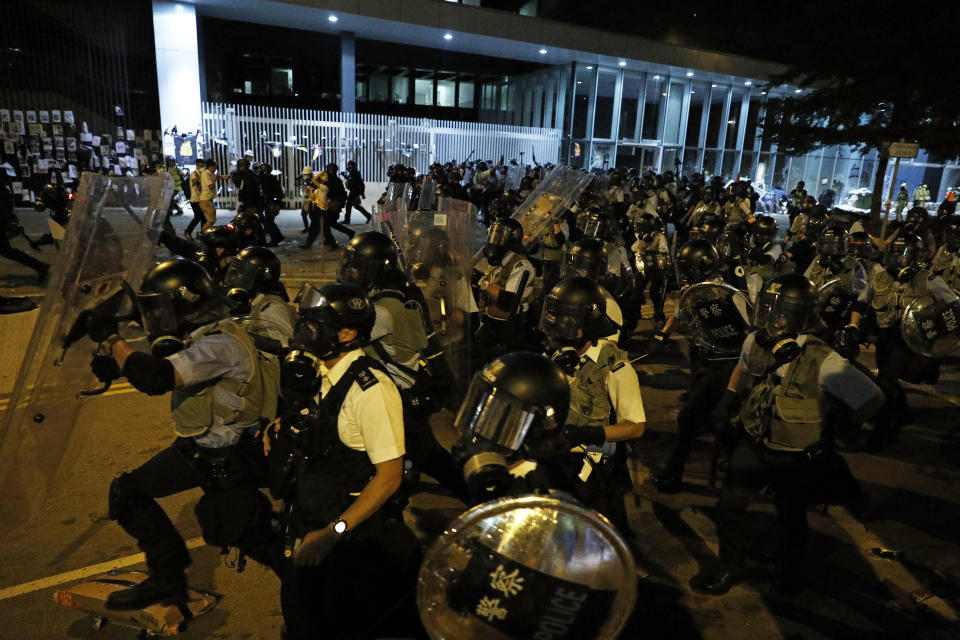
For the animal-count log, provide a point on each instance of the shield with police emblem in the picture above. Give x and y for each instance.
(714, 316)
(515, 174)
(931, 327)
(49, 436)
(835, 301)
(556, 193)
(527, 567)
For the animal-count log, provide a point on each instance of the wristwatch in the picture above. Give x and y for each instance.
(340, 527)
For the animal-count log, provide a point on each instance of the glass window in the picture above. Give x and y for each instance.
(710, 159)
(465, 98)
(698, 95)
(718, 96)
(753, 121)
(446, 91)
(733, 119)
(729, 167)
(629, 156)
(603, 112)
(746, 165)
(581, 102)
(670, 160)
(691, 161)
(811, 174)
(601, 156)
(379, 87)
(650, 155)
(656, 91)
(281, 82)
(399, 88)
(361, 89)
(781, 171)
(423, 88)
(506, 97)
(629, 106)
(488, 97)
(672, 114)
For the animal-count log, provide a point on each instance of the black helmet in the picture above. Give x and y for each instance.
(176, 297)
(832, 242)
(368, 256)
(505, 235)
(323, 313)
(221, 236)
(575, 311)
(647, 224)
(916, 216)
(249, 229)
(598, 225)
(520, 399)
(732, 244)
(784, 307)
(710, 229)
(255, 270)
(53, 197)
(697, 261)
(429, 245)
(859, 245)
(905, 251)
(587, 257)
(951, 233)
(813, 227)
(764, 230)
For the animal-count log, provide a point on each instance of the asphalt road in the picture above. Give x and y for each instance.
(852, 593)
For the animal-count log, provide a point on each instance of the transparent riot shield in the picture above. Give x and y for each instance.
(515, 174)
(527, 567)
(58, 451)
(391, 222)
(834, 303)
(557, 192)
(399, 190)
(439, 248)
(428, 195)
(930, 327)
(714, 316)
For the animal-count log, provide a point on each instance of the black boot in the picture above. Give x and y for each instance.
(165, 590)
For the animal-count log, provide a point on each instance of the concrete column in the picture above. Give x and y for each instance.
(178, 64)
(348, 73)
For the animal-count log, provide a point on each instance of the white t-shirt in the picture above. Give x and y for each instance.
(370, 419)
(208, 185)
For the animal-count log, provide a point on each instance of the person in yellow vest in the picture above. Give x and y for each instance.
(223, 388)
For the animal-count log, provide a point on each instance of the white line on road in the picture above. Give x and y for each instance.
(80, 574)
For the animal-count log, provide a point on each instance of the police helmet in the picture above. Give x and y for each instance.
(905, 251)
(255, 270)
(647, 224)
(916, 216)
(710, 229)
(832, 242)
(785, 306)
(764, 230)
(575, 311)
(951, 233)
(587, 257)
(221, 236)
(859, 245)
(366, 258)
(505, 235)
(53, 197)
(697, 261)
(429, 245)
(249, 229)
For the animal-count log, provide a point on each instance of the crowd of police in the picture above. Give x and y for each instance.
(323, 402)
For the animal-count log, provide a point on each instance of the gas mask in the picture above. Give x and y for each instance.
(831, 263)
(564, 354)
(240, 283)
(165, 328)
(311, 344)
(494, 253)
(784, 348)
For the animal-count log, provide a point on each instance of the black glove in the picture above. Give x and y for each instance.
(848, 341)
(721, 412)
(656, 344)
(105, 368)
(584, 435)
(100, 327)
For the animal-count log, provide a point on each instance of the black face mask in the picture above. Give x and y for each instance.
(784, 348)
(164, 346)
(494, 253)
(831, 263)
(484, 467)
(564, 354)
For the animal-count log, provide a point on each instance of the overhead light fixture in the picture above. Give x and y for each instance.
(656, 77)
(714, 86)
(763, 93)
(332, 18)
(692, 91)
(579, 81)
(543, 51)
(797, 90)
(689, 74)
(622, 63)
(589, 67)
(748, 83)
(448, 36)
(731, 122)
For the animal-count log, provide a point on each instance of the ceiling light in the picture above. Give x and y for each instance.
(689, 74)
(731, 122)
(748, 83)
(622, 63)
(797, 90)
(579, 81)
(332, 18)
(763, 93)
(714, 86)
(692, 91)
(543, 51)
(656, 77)
(448, 36)
(589, 67)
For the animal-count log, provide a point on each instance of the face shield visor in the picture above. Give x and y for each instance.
(778, 317)
(500, 419)
(240, 281)
(357, 270)
(830, 246)
(164, 327)
(563, 323)
(580, 264)
(859, 247)
(901, 255)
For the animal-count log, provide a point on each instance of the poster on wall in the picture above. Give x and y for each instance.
(36, 129)
(68, 117)
(45, 117)
(55, 116)
(186, 149)
(18, 116)
(4, 115)
(31, 117)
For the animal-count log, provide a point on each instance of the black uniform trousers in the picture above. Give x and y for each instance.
(271, 210)
(797, 481)
(707, 383)
(198, 217)
(895, 362)
(10, 252)
(353, 201)
(179, 467)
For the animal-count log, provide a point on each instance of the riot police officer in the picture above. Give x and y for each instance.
(797, 388)
(223, 387)
(606, 407)
(652, 254)
(336, 460)
(252, 282)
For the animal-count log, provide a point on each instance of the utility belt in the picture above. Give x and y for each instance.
(809, 454)
(225, 467)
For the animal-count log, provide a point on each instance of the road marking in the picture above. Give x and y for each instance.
(80, 574)
(115, 389)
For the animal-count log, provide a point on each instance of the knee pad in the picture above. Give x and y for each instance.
(123, 491)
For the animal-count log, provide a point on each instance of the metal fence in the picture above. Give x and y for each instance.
(291, 139)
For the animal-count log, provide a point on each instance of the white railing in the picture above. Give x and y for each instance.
(291, 139)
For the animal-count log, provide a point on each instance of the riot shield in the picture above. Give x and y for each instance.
(557, 192)
(515, 174)
(834, 303)
(527, 567)
(399, 190)
(428, 195)
(714, 316)
(50, 444)
(930, 327)
(391, 222)
(439, 248)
